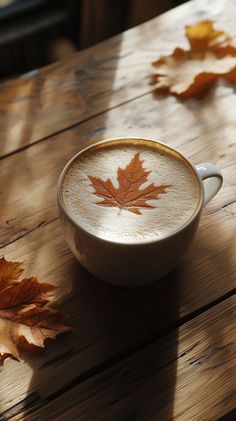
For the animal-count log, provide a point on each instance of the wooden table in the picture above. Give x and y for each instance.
(156, 353)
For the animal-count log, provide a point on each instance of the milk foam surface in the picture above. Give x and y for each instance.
(171, 210)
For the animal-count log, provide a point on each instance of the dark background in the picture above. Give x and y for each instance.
(34, 33)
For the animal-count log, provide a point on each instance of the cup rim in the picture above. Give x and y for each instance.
(137, 242)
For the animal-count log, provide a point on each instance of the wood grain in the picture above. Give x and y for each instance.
(108, 364)
(187, 375)
(110, 321)
(202, 131)
(49, 100)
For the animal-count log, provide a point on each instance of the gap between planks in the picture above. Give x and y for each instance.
(96, 88)
(45, 223)
(33, 403)
(74, 125)
(191, 304)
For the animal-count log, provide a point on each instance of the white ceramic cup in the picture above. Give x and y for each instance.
(141, 262)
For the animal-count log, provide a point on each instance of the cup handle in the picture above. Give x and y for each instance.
(209, 171)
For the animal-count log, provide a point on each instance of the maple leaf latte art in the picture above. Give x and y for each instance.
(130, 191)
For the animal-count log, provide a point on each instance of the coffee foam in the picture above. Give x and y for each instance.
(171, 210)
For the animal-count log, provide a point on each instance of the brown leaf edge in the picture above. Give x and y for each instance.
(211, 40)
(43, 295)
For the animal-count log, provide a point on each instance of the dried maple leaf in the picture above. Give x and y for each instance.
(202, 37)
(128, 195)
(23, 314)
(186, 73)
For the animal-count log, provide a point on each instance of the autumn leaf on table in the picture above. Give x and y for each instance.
(24, 315)
(128, 196)
(187, 73)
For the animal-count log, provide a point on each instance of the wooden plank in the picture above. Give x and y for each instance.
(202, 130)
(46, 101)
(209, 273)
(188, 375)
(107, 326)
(110, 322)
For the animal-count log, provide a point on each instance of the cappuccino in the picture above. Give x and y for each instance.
(130, 191)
